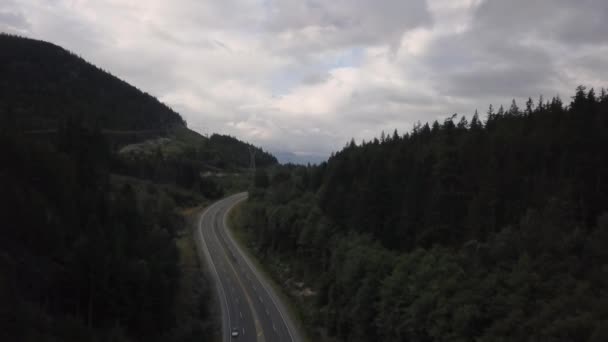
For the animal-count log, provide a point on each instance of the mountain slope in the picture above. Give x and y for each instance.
(44, 85)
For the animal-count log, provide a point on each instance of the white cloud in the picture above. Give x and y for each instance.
(306, 76)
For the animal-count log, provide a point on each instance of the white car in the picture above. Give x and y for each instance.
(235, 332)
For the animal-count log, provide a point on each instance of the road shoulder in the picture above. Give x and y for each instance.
(214, 309)
(275, 290)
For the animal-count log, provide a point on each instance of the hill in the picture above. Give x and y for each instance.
(43, 86)
(456, 231)
(95, 175)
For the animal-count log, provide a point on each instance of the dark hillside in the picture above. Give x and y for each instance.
(42, 84)
(235, 151)
(45, 88)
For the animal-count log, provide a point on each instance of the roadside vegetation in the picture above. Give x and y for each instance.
(269, 267)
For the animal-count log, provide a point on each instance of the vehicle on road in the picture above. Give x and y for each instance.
(234, 333)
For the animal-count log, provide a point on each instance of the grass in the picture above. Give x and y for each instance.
(188, 266)
(196, 305)
(242, 237)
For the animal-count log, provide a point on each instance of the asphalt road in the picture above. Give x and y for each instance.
(248, 303)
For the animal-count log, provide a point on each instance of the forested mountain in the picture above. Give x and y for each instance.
(42, 84)
(92, 243)
(456, 231)
(234, 152)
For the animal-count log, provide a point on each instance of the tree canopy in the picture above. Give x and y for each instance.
(461, 230)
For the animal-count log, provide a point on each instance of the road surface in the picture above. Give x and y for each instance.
(248, 303)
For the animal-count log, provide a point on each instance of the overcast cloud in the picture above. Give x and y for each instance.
(307, 75)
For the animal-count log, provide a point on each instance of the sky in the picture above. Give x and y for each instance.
(306, 76)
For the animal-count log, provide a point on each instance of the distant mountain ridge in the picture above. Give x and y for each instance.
(286, 157)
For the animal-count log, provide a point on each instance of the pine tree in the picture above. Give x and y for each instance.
(529, 107)
(463, 123)
(501, 112)
(541, 104)
(475, 122)
(579, 98)
(514, 109)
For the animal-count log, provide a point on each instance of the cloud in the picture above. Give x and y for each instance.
(327, 25)
(491, 68)
(563, 21)
(306, 76)
(12, 18)
(13, 21)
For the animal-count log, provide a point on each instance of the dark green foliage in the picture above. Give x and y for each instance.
(260, 179)
(217, 155)
(210, 188)
(458, 231)
(455, 183)
(234, 152)
(76, 252)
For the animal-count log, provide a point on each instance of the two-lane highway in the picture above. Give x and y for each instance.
(249, 305)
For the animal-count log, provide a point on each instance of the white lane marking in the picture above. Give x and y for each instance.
(260, 298)
(267, 313)
(286, 321)
(243, 331)
(233, 269)
(219, 285)
(273, 327)
(241, 314)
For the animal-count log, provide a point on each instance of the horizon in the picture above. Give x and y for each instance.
(306, 78)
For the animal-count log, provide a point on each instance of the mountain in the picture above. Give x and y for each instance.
(44, 85)
(233, 151)
(286, 157)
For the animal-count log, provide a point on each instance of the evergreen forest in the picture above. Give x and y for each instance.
(470, 229)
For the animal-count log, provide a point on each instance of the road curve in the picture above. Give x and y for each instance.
(248, 303)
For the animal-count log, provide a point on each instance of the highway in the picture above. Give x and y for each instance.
(248, 303)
